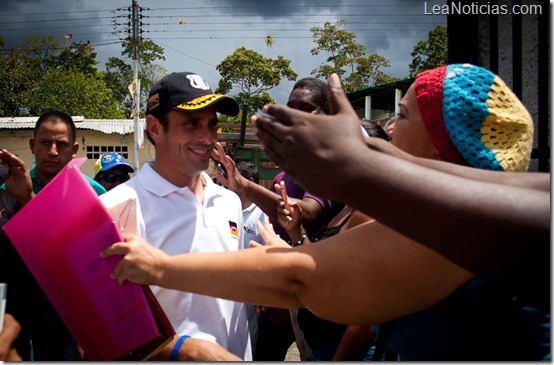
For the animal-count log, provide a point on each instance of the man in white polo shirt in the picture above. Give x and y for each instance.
(180, 210)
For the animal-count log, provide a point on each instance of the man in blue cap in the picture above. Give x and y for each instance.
(111, 169)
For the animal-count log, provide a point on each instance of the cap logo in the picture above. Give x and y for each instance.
(107, 158)
(198, 82)
(153, 101)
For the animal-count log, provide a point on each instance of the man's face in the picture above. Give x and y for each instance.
(189, 140)
(113, 177)
(302, 99)
(53, 148)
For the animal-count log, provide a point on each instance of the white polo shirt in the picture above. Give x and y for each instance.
(172, 219)
(250, 217)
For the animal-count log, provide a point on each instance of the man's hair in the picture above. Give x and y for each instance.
(374, 130)
(249, 170)
(57, 116)
(318, 89)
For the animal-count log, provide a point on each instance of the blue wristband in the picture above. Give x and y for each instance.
(178, 344)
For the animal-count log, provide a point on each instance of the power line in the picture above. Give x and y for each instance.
(57, 13)
(211, 8)
(56, 20)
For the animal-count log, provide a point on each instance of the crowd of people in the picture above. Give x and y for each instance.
(424, 240)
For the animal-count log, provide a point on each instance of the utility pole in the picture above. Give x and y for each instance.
(136, 85)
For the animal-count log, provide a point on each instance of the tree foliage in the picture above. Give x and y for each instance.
(347, 58)
(430, 53)
(119, 74)
(43, 74)
(254, 75)
(76, 93)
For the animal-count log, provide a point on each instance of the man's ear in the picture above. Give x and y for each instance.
(32, 145)
(75, 148)
(154, 127)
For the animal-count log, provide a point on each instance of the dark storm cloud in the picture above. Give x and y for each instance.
(39, 18)
(215, 28)
(281, 8)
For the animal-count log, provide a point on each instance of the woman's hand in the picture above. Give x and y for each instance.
(141, 262)
(289, 214)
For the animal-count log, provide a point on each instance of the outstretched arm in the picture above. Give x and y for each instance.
(481, 225)
(537, 181)
(265, 199)
(380, 273)
(196, 349)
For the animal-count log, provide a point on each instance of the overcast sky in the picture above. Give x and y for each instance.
(197, 35)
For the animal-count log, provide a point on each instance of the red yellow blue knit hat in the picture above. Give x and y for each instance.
(474, 119)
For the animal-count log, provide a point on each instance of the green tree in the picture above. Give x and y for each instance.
(430, 53)
(76, 93)
(254, 75)
(25, 69)
(347, 58)
(41, 52)
(77, 56)
(15, 79)
(119, 74)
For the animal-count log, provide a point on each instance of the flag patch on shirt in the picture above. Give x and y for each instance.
(233, 229)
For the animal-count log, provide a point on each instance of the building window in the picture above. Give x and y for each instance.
(94, 152)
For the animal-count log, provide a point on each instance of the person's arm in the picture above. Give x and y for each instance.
(355, 343)
(8, 335)
(195, 349)
(380, 273)
(481, 225)
(18, 181)
(538, 181)
(265, 199)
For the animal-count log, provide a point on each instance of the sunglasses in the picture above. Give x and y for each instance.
(111, 178)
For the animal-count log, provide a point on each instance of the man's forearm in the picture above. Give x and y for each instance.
(194, 349)
(538, 181)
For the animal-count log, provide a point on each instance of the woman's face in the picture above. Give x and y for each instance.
(410, 134)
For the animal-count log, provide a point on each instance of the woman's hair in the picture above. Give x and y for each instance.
(374, 130)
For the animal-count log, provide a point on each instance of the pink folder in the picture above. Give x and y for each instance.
(59, 235)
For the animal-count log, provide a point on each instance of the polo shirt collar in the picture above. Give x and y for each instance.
(158, 185)
(38, 184)
(250, 208)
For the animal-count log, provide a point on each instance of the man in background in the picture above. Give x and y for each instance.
(111, 169)
(44, 336)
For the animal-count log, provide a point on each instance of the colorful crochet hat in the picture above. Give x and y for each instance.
(473, 118)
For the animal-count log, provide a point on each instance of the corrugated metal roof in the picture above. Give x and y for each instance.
(108, 126)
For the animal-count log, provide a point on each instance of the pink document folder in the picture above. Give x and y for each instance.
(60, 234)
